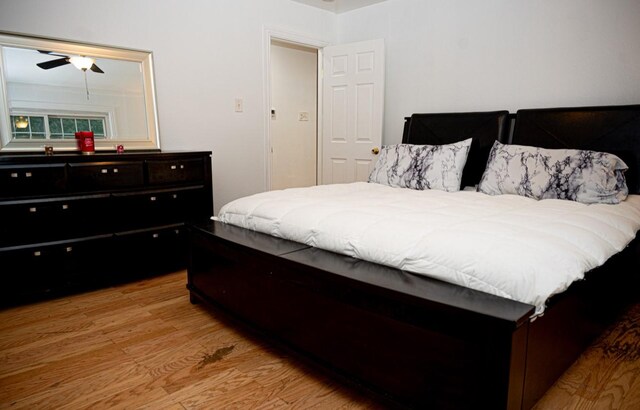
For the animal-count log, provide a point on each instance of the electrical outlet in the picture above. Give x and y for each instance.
(303, 116)
(239, 105)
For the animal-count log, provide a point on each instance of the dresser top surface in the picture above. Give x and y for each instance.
(41, 158)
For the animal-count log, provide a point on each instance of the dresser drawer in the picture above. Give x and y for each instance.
(161, 248)
(175, 171)
(32, 180)
(106, 175)
(29, 221)
(48, 266)
(158, 207)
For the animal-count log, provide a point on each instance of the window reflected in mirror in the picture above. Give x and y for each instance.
(47, 126)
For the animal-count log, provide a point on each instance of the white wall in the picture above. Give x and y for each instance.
(206, 53)
(294, 89)
(459, 55)
(442, 55)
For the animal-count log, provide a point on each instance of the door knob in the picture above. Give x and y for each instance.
(375, 150)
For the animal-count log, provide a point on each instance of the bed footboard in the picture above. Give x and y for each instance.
(418, 341)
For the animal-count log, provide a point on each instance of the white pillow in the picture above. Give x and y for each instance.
(422, 166)
(577, 175)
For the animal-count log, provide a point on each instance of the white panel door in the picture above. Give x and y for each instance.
(352, 110)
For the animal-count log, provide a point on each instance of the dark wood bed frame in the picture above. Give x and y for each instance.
(417, 341)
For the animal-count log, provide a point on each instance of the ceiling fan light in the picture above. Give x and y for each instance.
(82, 63)
(21, 122)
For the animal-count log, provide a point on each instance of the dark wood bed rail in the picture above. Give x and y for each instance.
(418, 341)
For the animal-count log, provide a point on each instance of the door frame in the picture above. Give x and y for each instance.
(275, 33)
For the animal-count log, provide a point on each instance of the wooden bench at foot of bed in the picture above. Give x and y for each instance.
(418, 341)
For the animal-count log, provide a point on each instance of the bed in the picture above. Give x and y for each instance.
(415, 340)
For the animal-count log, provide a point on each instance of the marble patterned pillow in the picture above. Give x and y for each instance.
(576, 175)
(421, 166)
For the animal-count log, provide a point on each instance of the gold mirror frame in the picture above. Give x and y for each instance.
(67, 47)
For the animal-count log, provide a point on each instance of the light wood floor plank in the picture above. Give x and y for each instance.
(143, 345)
(607, 375)
(34, 380)
(79, 392)
(139, 396)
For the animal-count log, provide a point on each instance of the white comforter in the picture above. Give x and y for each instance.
(506, 245)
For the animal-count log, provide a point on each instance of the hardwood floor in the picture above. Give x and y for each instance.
(143, 345)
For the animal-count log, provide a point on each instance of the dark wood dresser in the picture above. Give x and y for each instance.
(69, 221)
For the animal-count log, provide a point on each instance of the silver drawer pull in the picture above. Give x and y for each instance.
(115, 170)
(155, 235)
(104, 170)
(69, 248)
(177, 231)
(174, 196)
(14, 175)
(173, 167)
(181, 166)
(153, 198)
(28, 174)
(37, 253)
(33, 210)
(65, 206)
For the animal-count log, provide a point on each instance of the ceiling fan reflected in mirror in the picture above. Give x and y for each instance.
(80, 62)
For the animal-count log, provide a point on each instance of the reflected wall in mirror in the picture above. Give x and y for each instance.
(48, 95)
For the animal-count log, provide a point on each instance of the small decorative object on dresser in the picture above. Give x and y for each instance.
(65, 216)
(86, 143)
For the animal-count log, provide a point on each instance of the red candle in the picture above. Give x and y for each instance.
(85, 142)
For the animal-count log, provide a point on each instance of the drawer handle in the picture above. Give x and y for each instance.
(174, 196)
(104, 170)
(115, 170)
(28, 174)
(155, 235)
(33, 210)
(181, 166)
(65, 206)
(153, 198)
(177, 231)
(69, 248)
(173, 167)
(37, 253)
(14, 175)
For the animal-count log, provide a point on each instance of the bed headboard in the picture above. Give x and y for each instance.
(446, 128)
(613, 129)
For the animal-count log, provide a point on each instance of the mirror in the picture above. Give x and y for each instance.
(52, 88)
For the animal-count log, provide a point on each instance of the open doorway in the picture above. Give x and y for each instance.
(349, 107)
(294, 115)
